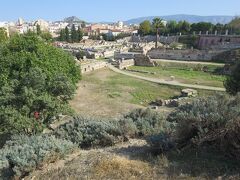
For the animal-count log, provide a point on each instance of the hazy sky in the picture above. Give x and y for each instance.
(112, 10)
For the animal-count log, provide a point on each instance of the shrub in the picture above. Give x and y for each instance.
(161, 143)
(22, 154)
(232, 83)
(90, 132)
(142, 122)
(213, 121)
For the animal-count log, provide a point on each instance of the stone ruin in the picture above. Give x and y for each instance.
(144, 60)
(186, 95)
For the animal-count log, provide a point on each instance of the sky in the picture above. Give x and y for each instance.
(112, 10)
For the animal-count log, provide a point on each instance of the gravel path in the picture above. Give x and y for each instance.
(161, 81)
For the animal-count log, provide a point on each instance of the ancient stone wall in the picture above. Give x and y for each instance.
(123, 64)
(218, 42)
(125, 55)
(92, 66)
(194, 55)
(151, 38)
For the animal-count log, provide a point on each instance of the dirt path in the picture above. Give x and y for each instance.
(161, 81)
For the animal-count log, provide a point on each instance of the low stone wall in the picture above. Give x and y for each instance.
(123, 64)
(92, 66)
(194, 55)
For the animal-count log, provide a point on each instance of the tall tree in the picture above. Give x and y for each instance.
(79, 34)
(38, 30)
(62, 36)
(145, 28)
(172, 27)
(67, 36)
(184, 27)
(157, 24)
(74, 35)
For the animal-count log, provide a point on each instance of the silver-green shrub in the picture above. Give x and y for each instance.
(88, 132)
(143, 122)
(212, 120)
(22, 154)
(161, 143)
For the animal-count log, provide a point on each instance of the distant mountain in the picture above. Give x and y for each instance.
(72, 19)
(181, 17)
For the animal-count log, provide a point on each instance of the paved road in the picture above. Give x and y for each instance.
(189, 62)
(161, 81)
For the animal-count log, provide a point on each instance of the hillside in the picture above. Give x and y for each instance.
(189, 18)
(72, 19)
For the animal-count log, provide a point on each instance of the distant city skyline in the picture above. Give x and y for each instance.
(111, 11)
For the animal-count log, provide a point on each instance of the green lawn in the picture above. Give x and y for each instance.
(183, 73)
(141, 92)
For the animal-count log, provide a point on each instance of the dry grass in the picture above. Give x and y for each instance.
(104, 93)
(122, 168)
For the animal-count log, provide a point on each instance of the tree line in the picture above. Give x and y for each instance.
(186, 28)
(72, 35)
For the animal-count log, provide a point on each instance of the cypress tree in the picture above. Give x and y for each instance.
(67, 36)
(79, 34)
(74, 35)
(62, 36)
(38, 29)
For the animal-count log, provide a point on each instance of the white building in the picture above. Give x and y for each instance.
(43, 24)
(120, 24)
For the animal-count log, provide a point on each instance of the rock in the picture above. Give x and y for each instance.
(160, 102)
(189, 93)
(172, 78)
(155, 107)
(174, 103)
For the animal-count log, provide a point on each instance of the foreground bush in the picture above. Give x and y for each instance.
(232, 84)
(90, 132)
(23, 154)
(161, 143)
(35, 77)
(143, 122)
(210, 121)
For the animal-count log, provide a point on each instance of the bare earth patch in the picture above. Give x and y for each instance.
(89, 101)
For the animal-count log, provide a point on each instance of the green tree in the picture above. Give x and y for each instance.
(35, 77)
(3, 35)
(184, 27)
(67, 36)
(232, 84)
(62, 36)
(172, 27)
(46, 36)
(202, 26)
(38, 30)
(79, 34)
(234, 25)
(157, 24)
(74, 35)
(145, 28)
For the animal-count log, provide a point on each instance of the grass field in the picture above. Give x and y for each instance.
(141, 92)
(108, 94)
(184, 73)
